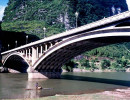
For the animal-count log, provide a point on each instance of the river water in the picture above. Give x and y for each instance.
(14, 86)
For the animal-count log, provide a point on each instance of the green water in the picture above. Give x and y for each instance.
(15, 85)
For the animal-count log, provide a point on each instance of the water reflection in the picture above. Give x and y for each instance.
(31, 91)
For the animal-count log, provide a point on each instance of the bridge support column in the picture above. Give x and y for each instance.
(45, 47)
(34, 55)
(41, 49)
(26, 53)
(37, 53)
(29, 54)
(51, 44)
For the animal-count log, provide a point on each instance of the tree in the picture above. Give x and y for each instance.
(85, 63)
(119, 65)
(93, 65)
(69, 66)
(105, 64)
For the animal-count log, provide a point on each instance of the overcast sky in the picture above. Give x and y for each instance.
(3, 4)
(128, 2)
(2, 8)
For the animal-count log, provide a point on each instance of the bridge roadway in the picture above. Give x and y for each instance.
(44, 58)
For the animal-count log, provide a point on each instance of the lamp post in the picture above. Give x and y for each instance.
(76, 15)
(8, 46)
(44, 29)
(16, 43)
(26, 39)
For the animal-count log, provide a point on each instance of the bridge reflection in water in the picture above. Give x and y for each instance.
(31, 91)
(44, 58)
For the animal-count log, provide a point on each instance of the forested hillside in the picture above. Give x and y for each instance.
(57, 16)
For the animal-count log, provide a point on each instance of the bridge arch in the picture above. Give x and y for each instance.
(16, 62)
(59, 54)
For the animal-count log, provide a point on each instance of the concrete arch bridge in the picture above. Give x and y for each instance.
(44, 58)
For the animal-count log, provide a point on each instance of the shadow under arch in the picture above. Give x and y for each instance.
(16, 62)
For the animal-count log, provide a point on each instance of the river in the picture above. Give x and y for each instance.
(14, 86)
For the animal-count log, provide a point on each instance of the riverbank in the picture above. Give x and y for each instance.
(96, 70)
(117, 94)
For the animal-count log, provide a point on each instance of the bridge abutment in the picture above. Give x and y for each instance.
(33, 74)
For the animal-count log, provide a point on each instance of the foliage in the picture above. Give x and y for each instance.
(120, 65)
(112, 51)
(69, 66)
(93, 66)
(33, 27)
(85, 63)
(105, 64)
(117, 67)
(54, 14)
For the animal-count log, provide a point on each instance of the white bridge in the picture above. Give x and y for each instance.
(44, 58)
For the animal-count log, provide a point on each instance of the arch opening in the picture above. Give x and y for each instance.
(16, 63)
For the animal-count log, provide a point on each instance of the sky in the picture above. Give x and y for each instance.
(128, 2)
(3, 4)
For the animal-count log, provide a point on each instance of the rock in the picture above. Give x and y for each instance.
(4, 70)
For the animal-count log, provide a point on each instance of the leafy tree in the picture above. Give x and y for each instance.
(85, 63)
(123, 62)
(69, 66)
(105, 64)
(93, 65)
(120, 65)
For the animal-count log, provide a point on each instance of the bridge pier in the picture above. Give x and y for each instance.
(33, 74)
(48, 75)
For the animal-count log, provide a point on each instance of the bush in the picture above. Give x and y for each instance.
(105, 64)
(85, 63)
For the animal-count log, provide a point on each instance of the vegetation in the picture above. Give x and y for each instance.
(112, 51)
(119, 64)
(57, 16)
(85, 63)
(105, 64)
(33, 27)
(69, 66)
